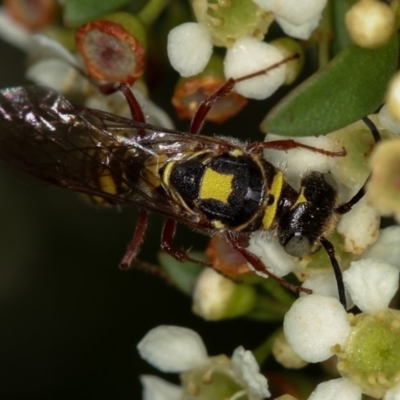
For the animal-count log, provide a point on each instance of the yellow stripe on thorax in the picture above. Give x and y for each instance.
(300, 199)
(271, 209)
(216, 186)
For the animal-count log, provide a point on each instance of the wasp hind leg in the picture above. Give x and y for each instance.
(168, 234)
(141, 226)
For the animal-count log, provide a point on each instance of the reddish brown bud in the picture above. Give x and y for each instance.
(225, 259)
(111, 53)
(33, 14)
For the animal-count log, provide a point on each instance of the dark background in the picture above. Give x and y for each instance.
(69, 318)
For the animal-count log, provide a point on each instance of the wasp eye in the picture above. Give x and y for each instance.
(298, 245)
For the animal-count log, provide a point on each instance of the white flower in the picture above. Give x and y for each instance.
(247, 55)
(315, 323)
(372, 284)
(248, 371)
(297, 18)
(177, 349)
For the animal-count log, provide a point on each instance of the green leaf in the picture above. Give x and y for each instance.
(182, 274)
(350, 87)
(341, 37)
(78, 12)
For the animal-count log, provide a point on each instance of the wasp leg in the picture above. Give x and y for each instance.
(136, 241)
(259, 266)
(346, 207)
(328, 246)
(168, 234)
(289, 144)
(141, 227)
(205, 106)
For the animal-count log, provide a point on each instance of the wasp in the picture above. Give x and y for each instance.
(215, 185)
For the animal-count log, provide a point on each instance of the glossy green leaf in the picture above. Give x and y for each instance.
(351, 86)
(78, 12)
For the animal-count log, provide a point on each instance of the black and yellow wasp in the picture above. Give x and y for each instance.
(211, 184)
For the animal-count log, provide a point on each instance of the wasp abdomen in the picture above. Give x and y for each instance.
(227, 189)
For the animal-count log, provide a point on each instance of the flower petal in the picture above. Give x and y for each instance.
(294, 11)
(302, 31)
(249, 55)
(246, 367)
(189, 48)
(43, 47)
(386, 248)
(360, 227)
(12, 32)
(173, 349)
(155, 388)
(272, 254)
(371, 283)
(324, 283)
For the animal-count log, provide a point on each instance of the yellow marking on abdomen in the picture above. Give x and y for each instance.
(216, 186)
(167, 173)
(107, 184)
(271, 209)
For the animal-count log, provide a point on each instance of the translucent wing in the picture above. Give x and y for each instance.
(110, 158)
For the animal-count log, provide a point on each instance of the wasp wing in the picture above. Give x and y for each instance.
(105, 156)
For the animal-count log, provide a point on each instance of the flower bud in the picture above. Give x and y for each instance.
(370, 23)
(113, 48)
(216, 297)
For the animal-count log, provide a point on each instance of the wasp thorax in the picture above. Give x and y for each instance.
(311, 216)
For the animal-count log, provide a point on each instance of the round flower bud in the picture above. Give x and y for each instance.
(189, 48)
(314, 324)
(370, 23)
(393, 97)
(247, 56)
(216, 297)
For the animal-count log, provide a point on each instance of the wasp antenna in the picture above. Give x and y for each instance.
(372, 127)
(328, 246)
